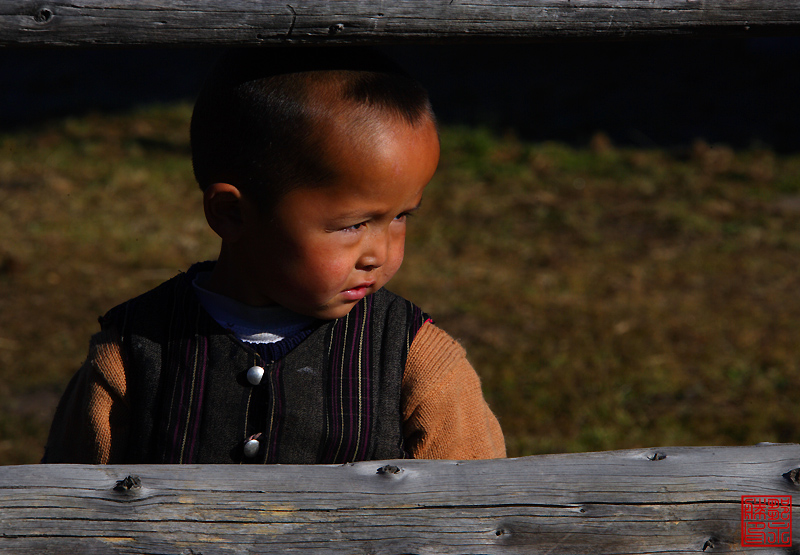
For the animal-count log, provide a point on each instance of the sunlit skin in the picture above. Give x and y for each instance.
(322, 249)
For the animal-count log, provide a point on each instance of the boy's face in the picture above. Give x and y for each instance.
(320, 250)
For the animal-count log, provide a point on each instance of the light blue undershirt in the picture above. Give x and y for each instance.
(252, 324)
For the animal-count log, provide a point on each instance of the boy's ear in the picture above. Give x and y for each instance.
(222, 203)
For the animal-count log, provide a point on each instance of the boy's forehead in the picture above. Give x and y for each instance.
(361, 151)
(343, 126)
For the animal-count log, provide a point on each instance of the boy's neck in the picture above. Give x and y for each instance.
(228, 278)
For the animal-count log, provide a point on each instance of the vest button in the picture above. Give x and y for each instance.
(251, 447)
(254, 375)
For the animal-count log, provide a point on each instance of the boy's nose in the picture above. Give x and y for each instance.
(376, 252)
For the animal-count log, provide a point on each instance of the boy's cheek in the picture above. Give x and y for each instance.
(324, 276)
(396, 260)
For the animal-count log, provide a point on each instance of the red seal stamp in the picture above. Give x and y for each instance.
(767, 520)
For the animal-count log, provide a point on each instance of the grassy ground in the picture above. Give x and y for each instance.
(608, 297)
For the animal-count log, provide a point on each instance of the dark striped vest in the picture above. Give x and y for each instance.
(332, 398)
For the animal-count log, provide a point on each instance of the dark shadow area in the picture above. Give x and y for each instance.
(643, 93)
(741, 92)
(41, 84)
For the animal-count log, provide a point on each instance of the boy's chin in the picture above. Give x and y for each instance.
(334, 313)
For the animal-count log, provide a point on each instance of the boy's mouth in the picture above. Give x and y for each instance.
(358, 292)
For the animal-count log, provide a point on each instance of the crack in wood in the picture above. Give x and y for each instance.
(291, 25)
(376, 510)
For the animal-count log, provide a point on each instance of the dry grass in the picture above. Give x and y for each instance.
(609, 297)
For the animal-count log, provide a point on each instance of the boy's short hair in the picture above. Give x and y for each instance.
(254, 122)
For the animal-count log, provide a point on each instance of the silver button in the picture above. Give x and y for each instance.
(255, 374)
(251, 448)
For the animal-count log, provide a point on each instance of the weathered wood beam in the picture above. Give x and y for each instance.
(674, 499)
(253, 22)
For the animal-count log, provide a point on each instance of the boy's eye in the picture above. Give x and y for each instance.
(355, 227)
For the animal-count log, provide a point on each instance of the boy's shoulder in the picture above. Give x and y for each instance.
(154, 306)
(393, 306)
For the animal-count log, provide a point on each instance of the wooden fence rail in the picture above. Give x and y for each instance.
(666, 500)
(227, 22)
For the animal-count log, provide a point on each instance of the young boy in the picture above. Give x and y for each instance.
(287, 349)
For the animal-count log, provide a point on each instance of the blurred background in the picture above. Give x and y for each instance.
(612, 234)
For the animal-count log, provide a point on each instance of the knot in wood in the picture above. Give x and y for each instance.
(43, 15)
(793, 476)
(128, 483)
(656, 456)
(390, 469)
(709, 543)
(335, 28)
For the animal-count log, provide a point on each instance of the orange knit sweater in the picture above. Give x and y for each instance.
(444, 413)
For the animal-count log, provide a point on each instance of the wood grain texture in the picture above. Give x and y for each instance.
(253, 22)
(675, 500)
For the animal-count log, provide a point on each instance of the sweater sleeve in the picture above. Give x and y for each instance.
(444, 413)
(91, 422)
